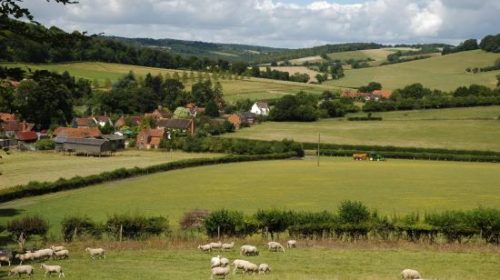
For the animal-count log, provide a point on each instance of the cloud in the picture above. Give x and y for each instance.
(278, 22)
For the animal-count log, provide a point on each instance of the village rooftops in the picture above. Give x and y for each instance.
(71, 132)
(176, 123)
(26, 136)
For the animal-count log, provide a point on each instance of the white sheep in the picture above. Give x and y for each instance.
(250, 267)
(227, 246)
(249, 250)
(4, 258)
(215, 245)
(21, 269)
(275, 246)
(264, 268)
(25, 257)
(215, 262)
(205, 248)
(49, 269)
(220, 271)
(238, 264)
(224, 262)
(410, 274)
(291, 243)
(95, 252)
(63, 254)
(43, 254)
(57, 248)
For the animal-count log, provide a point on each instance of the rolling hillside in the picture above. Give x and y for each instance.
(440, 72)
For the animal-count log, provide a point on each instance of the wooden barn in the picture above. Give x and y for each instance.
(83, 146)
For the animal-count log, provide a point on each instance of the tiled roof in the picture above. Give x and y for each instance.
(26, 136)
(81, 132)
(176, 123)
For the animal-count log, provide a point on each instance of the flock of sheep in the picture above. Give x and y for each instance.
(54, 252)
(221, 268)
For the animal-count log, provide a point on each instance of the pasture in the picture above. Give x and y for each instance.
(22, 167)
(456, 128)
(439, 72)
(391, 187)
(322, 261)
(253, 88)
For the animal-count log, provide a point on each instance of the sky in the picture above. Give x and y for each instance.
(278, 23)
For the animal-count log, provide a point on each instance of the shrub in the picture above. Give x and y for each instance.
(136, 227)
(79, 226)
(29, 225)
(193, 219)
(353, 212)
(45, 144)
(229, 223)
(274, 221)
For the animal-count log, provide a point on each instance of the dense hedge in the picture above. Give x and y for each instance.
(364, 118)
(37, 188)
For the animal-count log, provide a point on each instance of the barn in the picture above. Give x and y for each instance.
(83, 146)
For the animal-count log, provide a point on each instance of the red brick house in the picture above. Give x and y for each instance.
(150, 138)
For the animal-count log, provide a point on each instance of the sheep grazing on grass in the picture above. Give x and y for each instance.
(95, 252)
(275, 246)
(57, 248)
(216, 245)
(220, 272)
(28, 256)
(264, 268)
(238, 264)
(250, 268)
(205, 248)
(22, 269)
(215, 262)
(4, 259)
(224, 262)
(291, 244)
(227, 246)
(63, 254)
(407, 274)
(43, 254)
(249, 250)
(49, 269)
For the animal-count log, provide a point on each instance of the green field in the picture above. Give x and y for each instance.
(22, 167)
(164, 260)
(253, 88)
(457, 128)
(440, 72)
(394, 186)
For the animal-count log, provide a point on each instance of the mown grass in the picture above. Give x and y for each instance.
(22, 167)
(440, 72)
(308, 261)
(462, 128)
(391, 187)
(253, 88)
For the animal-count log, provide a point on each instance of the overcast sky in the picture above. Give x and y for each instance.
(278, 23)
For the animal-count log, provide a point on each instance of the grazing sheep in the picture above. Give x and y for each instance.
(4, 259)
(291, 244)
(264, 268)
(410, 274)
(95, 252)
(22, 269)
(238, 264)
(57, 248)
(275, 246)
(205, 248)
(249, 250)
(215, 245)
(220, 271)
(49, 269)
(25, 257)
(227, 246)
(250, 268)
(43, 254)
(63, 254)
(224, 262)
(215, 261)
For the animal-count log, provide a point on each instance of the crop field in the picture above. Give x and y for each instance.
(22, 167)
(440, 72)
(180, 261)
(253, 88)
(392, 187)
(462, 128)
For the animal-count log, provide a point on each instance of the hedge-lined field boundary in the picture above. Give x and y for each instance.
(34, 188)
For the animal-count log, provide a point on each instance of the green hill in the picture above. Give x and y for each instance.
(440, 72)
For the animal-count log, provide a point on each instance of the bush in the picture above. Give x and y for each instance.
(136, 227)
(225, 222)
(29, 225)
(79, 226)
(45, 144)
(193, 219)
(274, 221)
(353, 212)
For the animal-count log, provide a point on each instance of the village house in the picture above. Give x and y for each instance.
(177, 126)
(194, 110)
(11, 127)
(260, 108)
(26, 140)
(150, 138)
(158, 114)
(86, 122)
(239, 120)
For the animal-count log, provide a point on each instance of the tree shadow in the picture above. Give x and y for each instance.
(10, 212)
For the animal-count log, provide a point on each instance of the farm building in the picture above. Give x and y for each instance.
(260, 108)
(11, 127)
(26, 139)
(383, 93)
(242, 119)
(4, 117)
(177, 125)
(83, 146)
(150, 138)
(117, 141)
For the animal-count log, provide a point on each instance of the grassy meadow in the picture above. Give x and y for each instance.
(253, 88)
(392, 187)
(456, 128)
(22, 167)
(439, 72)
(324, 261)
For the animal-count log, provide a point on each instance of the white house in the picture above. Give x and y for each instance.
(260, 108)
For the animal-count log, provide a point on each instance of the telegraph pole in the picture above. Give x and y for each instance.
(319, 141)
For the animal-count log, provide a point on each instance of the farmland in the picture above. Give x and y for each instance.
(20, 168)
(253, 88)
(312, 260)
(440, 72)
(392, 187)
(457, 128)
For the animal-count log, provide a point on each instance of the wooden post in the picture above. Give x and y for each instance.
(319, 140)
(218, 232)
(121, 232)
